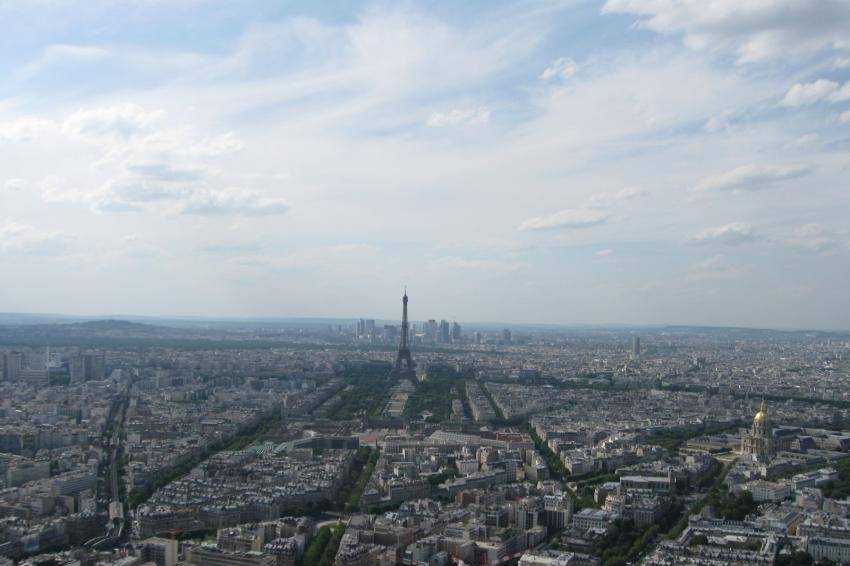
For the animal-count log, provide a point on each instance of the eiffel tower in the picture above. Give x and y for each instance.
(404, 366)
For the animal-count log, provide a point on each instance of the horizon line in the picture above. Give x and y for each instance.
(283, 318)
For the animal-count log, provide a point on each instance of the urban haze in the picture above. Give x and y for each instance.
(424, 283)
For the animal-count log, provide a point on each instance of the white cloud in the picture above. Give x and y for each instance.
(806, 140)
(711, 263)
(624, 194)
(566, 219)
(841, 63)
(14, 185)
(561, 68)
(455, 262)
(134, 191)
(716, 124)
(229, 248)
(115, 195)
(54, 188)
(752, 31)
(107, 202)
(58, 55)
(804, 94)
(844, 117)
(164, 171)
(842, 94)
(24, 129)
(714, 267)
(120, 121)
(751, 178)
(216, 146)
(232, 201)
(813, 238)
(733, 234)
(134, 248)
(604, 254)
(345, 258)
(23, 239)
(145, 160)
(460, 117)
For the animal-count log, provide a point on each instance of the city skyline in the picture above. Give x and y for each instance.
(562, 163)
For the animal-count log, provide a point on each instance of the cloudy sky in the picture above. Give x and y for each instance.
(628, 161)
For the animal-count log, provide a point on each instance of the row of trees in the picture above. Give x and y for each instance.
(840, 488)
(362, 470)
(625, 541)
(322, 549)
(731, 506)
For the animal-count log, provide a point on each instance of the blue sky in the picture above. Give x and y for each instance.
(628, 161)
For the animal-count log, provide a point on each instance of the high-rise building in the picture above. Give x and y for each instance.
(87, 367)
(635, 347)
(14, 365)
(455, 332)
(96, 368)
(390, 333)
(34, 376)
(506, 335)
(445, 334)
(75, 369)
(431, 330)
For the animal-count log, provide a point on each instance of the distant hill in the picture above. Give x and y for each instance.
(117, 326)
(86, 331)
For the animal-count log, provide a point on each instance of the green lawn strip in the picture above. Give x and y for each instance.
(366, 392)
(672, 439)
(434, 394)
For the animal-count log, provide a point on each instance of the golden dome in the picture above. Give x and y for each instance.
(761, 416)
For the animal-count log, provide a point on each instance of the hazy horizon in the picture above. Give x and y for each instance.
(164, 319)
(624, 162)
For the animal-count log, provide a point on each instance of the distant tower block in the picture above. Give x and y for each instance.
(635, 347)
(404, 366)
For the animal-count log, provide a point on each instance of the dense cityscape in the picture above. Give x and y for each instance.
(421, 443)
(424, 283)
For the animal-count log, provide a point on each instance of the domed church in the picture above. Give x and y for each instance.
(758, 442)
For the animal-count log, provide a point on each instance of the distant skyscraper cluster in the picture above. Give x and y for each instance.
(430, 333)
(36, 366)
(30, 366)
(86, 367)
